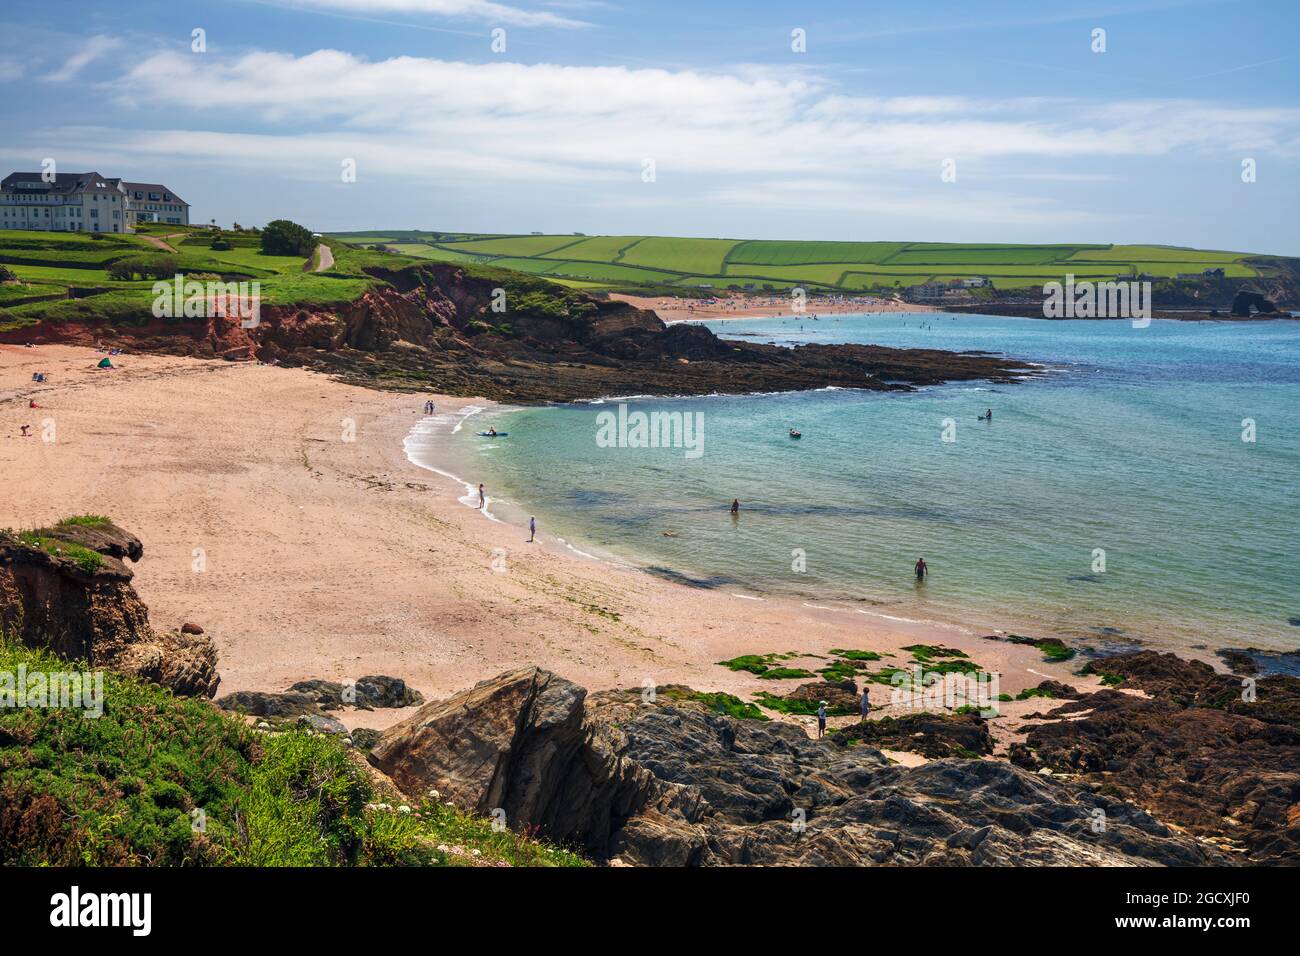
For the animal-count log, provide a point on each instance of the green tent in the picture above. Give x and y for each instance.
(105, 363)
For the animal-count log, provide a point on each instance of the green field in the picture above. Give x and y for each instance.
(64, 276)
(659, 263)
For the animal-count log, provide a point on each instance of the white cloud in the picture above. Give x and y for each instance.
(495, 13)
(90, 51)
(761, 138)
(583, 118)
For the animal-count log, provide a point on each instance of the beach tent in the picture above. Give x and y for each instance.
(105, 363)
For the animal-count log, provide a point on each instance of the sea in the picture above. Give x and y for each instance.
(1143, 487)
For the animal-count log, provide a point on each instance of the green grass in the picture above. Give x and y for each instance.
(805, 708)
(643, 263)
(85, 559)
(719, 703)
(167, 781)
(1031, 692)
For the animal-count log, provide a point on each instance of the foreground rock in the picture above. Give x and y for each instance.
(931, 735)
(67, 589)
(1195, 752)
(307, 701)
(669, 782)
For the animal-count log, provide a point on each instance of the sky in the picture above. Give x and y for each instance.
(1164, 121)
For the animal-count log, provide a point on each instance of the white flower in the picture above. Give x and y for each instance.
(403, 809)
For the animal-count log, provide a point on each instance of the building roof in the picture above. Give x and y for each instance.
(63, 182)
(75, 182)
(147, 188)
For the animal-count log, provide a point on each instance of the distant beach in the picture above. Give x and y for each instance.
(760, 307)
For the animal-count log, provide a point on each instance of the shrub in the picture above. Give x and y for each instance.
(284, 238)
(220, 245)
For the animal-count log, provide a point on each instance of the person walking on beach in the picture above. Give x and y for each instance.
(482, 499)
(865, 705)
(922, 569)
(532, 529)
(735, 506)
(821, 719)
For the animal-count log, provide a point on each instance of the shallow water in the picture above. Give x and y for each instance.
(1130, 444)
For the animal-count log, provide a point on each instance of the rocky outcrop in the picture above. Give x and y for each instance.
(68, 589)
(434, 325)
(664, 780)
(1246, 303)
(314, 697)
(1201, 750)
(931, 735)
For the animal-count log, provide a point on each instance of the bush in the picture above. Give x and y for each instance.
(143, 267)
(220, 245)
(284, 238)
(162, 780)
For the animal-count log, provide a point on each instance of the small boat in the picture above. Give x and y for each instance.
(490, 435)
(795, 434)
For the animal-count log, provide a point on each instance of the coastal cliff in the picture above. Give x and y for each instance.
(514, 338)
(68, 590)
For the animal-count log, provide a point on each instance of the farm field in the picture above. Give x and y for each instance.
(628, 263)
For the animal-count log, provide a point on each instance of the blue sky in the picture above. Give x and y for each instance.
(848, 139)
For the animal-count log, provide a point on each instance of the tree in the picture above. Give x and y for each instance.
(284, 238)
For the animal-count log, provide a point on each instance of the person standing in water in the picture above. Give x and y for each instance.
(821, 719)
(988, 414)
(735, 506)
(532, 529)
(922, 569)
(482, 498)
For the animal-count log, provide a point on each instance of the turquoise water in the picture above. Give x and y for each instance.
(1131, 443)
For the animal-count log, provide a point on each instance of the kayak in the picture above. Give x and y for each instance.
(490, 435)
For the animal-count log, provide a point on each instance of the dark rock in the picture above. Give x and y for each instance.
(1245, 302)
(374, 691)
(1252, 660)
(841, 696)
(518, 743)
(323, 724)
(1199, 752)
(364, 738)
(931, 735)
(663, 782)
(257, 703)
(188, 628)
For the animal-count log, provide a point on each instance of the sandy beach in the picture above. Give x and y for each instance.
(279, 511)
(763, 307)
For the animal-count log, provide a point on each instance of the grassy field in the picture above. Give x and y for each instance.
(66, 276)
(632, 263)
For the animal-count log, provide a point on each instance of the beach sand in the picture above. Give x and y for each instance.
(762, 307)
(279, 512)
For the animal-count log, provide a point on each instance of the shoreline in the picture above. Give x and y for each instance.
(333, 558)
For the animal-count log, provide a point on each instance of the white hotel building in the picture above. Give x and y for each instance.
(85, 202)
